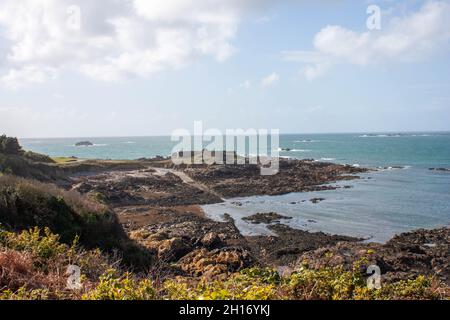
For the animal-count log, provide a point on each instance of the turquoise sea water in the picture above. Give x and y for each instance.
(391, 201)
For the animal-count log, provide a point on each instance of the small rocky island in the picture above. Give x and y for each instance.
(440, 169)
(84, 144)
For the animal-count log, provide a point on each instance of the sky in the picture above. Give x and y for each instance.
(81, 68)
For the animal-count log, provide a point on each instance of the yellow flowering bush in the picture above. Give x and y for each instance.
(126, 287)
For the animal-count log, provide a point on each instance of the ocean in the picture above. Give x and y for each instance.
(402, 195)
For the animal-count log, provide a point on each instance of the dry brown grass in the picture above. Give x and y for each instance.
(17, 271)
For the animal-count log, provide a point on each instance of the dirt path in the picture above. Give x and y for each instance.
(187, 180)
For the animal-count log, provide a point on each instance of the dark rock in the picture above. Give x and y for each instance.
(317, 200)
(293, 176)
(214, 263)
(289, 244)
(440, 169)
(266, 218)
(211, 240)
(84, 144)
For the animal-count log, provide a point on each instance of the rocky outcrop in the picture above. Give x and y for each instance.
(143, 187)
(84, 144)
(293, 176)
(209, 184)
(210, 264)
(316, 200)
(403, 257)
(194, 245)
(440, 169)
(288, 244)
(267, 218)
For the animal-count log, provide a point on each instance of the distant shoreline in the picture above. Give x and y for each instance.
(288, 134)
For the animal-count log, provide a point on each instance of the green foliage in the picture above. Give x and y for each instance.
(232, 289)
(10, 145)
(103, 281)
(37, 157)
(324, 284)
(24, 294)
(420, 288)
(304, 284)
(264, 275)
(33, 265)
(26, 203)
(126, 287)
(249, 284)
(42, 245)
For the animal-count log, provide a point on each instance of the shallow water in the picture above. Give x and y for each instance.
(390, 202)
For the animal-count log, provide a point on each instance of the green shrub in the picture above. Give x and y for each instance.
(10, 145)
(103, 281)
(43, 245)
(264, 275)
(112, 287)
(304, 284)
(26, 203)
(324, 284)
(25, 294)
(422, 287)
(251, 284)
(37, 157)
(33, 265)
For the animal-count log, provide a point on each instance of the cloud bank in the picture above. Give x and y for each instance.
(115, 39)
(414, 37)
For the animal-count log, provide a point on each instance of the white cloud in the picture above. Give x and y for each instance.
(270, 80)
(316, 63)
(412, 37)
(16, 78)
(117, 38)
(246, 84)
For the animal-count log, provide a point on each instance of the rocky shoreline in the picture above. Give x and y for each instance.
(159, 207)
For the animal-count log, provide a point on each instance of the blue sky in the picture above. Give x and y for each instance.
(298, 66)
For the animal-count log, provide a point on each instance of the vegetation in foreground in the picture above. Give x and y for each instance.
(33, 265)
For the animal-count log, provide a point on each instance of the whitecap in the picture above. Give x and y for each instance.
(94, 145)
(293, 150)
